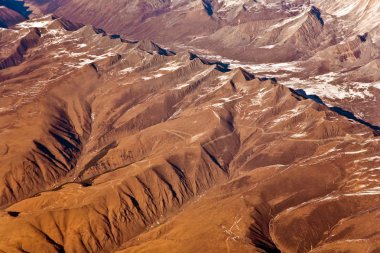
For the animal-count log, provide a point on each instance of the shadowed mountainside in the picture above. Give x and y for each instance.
(112, 145)
(325, 47)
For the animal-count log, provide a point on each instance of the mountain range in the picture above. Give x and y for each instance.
(189, 126)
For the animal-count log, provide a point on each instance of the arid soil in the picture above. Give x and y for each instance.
(117, 146)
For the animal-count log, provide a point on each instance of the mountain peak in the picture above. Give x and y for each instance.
(189, 126)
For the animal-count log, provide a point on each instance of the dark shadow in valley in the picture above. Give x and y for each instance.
(17, 6)
(259, 231)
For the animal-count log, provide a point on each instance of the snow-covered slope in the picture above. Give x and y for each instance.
(357, 16)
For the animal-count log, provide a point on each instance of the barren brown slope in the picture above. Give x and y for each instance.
(326, 41)
(9, 17)
(109, 145)
(14, 11)
(245, 30)
(254, 31)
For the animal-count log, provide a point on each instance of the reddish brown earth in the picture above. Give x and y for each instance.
(243, 30)
(13, 12)
(9, 17)
(109, 145)
(333, 44)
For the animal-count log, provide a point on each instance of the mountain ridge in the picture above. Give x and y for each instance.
(128, 148)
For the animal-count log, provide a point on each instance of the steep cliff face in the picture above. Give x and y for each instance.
(112, 145)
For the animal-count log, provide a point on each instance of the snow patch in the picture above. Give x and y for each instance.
(299, 135)
(171, 66)
(127, 70)
(33, 24)
(356, 152)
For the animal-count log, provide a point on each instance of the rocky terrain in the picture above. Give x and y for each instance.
(330, 43)
(116, 143)
(112, 145)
